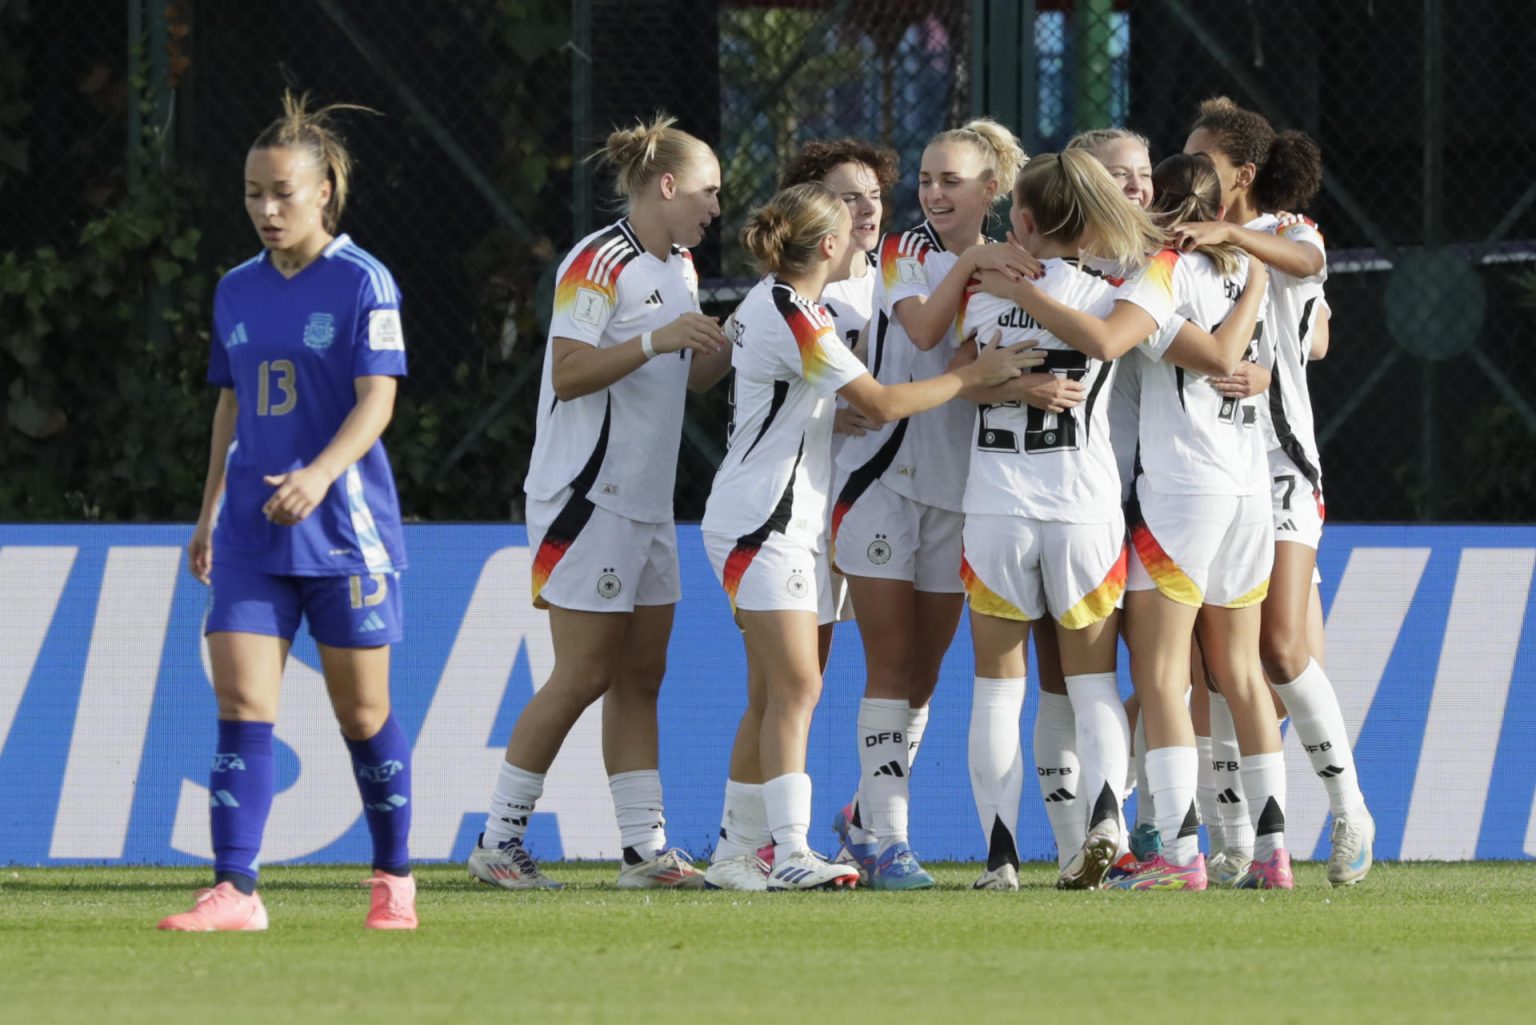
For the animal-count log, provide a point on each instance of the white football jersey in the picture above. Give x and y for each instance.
(1125, 391)
(618, 446)
(923, 457)
(1046, 466)
(1194, 440)
(1295, 304)
(850, 302)
(787, 364)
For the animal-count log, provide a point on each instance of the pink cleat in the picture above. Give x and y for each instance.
(393, 903)
(1274, 873)
(1158, 873)
(220, 909)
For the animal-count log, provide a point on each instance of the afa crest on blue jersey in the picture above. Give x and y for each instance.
(320, 331)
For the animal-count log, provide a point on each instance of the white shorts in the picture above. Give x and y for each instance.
(774, 575)
(1202, 549)
(833, 603)
(591, 560)
(882, 534)
(1298, 507)
(1018, 568)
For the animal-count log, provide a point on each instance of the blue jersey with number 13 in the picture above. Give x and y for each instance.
(291, 348)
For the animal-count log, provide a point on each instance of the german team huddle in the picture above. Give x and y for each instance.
(1096, 430)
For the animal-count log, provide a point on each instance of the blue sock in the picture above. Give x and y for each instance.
(239, 798)
(382, 764)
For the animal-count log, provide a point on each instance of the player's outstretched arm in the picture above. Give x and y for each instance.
(300, 491)
(885, 403)
(200, 548)
(580, 369)
(1126, 327)
(1298, 259)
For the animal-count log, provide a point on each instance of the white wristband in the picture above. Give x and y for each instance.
(646, 346)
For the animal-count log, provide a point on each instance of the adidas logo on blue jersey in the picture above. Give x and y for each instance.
(372, 624)
(237, 336)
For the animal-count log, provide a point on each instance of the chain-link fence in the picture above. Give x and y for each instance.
(124, 124)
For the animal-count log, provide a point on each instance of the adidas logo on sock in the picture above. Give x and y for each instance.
(1331, 771)
(654, 299)
(1228, 796)
(1060, 794)
(890, 769)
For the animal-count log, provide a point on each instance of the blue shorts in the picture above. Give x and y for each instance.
(343, 612)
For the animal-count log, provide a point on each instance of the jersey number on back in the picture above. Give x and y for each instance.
(1230, 405)
(1056, 432)
(276, 377)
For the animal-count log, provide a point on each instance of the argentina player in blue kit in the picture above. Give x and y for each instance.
(300, 517)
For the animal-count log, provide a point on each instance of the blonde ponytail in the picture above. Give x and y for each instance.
(311, 131)
(1076, 202)
(784, 235)
(647, 150)
(1002, 154)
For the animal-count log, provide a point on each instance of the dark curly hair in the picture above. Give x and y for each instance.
(1289, 165)
(1292, 176)
(820, 156)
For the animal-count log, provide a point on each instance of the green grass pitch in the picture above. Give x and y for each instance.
(1414, 943)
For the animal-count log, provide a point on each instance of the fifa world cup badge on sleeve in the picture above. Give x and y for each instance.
(589, 307)
(384, 331)
(909, 270)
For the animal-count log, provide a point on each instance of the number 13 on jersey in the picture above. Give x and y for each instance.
(278, 377)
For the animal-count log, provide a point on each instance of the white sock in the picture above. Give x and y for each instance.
(997, 764)
(1319, 725)
(883, 768)
(787, 799)
(1205, 795)
(1231, 796)
(1103, 741)
(743, 823)
(1058, 772)
(637, 805)
(1264, 779)
(1171, 776)
(917, 725)
(1146, 813)
(517, 791)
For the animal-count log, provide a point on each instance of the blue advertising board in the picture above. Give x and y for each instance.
(107, 713)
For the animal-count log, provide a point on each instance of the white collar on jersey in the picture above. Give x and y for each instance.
(335, 244)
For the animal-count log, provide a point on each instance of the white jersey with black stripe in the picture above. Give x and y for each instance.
(786, 366)
(924, 457)
(1024, 461)
(620, 443)
(1194, 440)
(1295, 304)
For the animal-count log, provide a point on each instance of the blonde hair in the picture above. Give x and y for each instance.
(784, 234)
(1001, 153)
(1073, 198)
(1188, 189)
(647, 150)
(311, 131)
(1096, 139)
